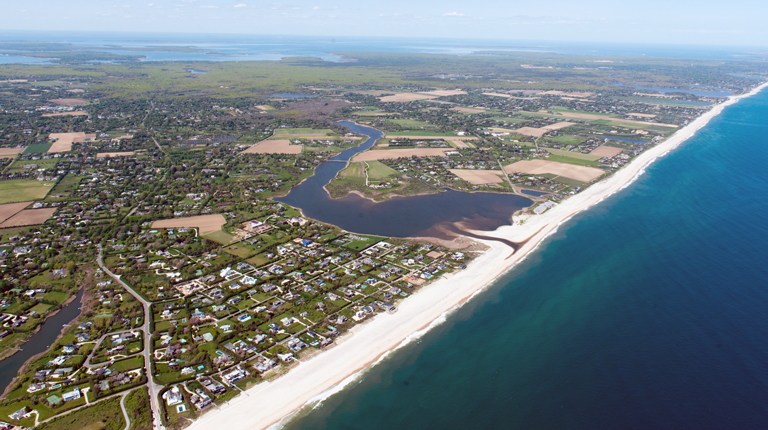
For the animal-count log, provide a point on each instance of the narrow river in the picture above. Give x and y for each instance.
(40, 341)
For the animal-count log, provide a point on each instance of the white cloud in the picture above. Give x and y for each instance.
(453, 14)
(316, 7)
(240, 5)
(207, 6)
(151, 4)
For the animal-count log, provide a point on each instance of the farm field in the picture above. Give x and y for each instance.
(10, 209)
(468, 110)
(538, 167)
(606, 151)
(383, 154)
(73, 113)
(70, 102)
(538, 132)
(428, 95)
(28, 217)
(37, 148)
(279, 146)
(410, 123)
(63, 141)
(10, 152)
(114, 154)
(311, 132)
(479, 177)
(379, 170)
(572, 154)
(23, 190)
(206, 224)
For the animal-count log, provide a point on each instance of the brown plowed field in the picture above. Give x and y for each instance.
(538, 167)
(606, 151)
(205, 223)
(10, 209)
(478, 177)
(383, 154)
(28, 217)
(280, 146)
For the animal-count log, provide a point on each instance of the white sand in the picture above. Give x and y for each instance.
(318, 377)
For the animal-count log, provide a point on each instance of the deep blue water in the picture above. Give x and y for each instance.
(417, 216)
(649, 311)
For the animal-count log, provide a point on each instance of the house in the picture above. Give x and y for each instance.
(173, 396)
(20, 414)
(33, 388)
(212, 385)
(234, 375)
(71, 395)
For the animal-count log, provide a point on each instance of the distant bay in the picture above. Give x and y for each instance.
(646, 312)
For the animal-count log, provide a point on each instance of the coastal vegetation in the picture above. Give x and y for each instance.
(197, 283)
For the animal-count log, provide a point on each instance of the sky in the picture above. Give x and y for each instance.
(682, 22)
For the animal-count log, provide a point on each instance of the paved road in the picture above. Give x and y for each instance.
(154, 389)
(125, 413)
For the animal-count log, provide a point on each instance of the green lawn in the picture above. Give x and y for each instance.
(359, 245)
(37, 148)
(566, 139)
(21, 190)
(303, 131)
(571, 154)
(419, 133)
(241, 250)
(220, 237)
(102, 415)
(128, 364)
(571, 160)
(410, 123)
(508, 120)
(379, 170)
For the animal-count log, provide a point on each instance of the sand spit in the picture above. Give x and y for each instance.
(318, 377)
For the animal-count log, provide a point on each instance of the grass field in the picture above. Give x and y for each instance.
(66, 185)
(572, 160)
(508, 120)
(410, 123)
(219, 236)
(241, 250)
(379, 170)
(102, 415)
(22, 190)
(354, 170)
(566, 139)
(131, 363)
(420, 133)
(570, 154)
(322, 131)
(37, 148)
(562, 109)
(364, 242)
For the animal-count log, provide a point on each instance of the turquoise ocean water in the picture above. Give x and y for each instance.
(649, 311)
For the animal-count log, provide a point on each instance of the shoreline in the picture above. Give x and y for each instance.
(269, 404)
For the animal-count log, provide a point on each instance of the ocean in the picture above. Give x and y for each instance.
(648, 311)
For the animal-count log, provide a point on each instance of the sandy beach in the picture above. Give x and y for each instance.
(314, 379)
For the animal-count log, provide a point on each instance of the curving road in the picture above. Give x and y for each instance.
(125, 413)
